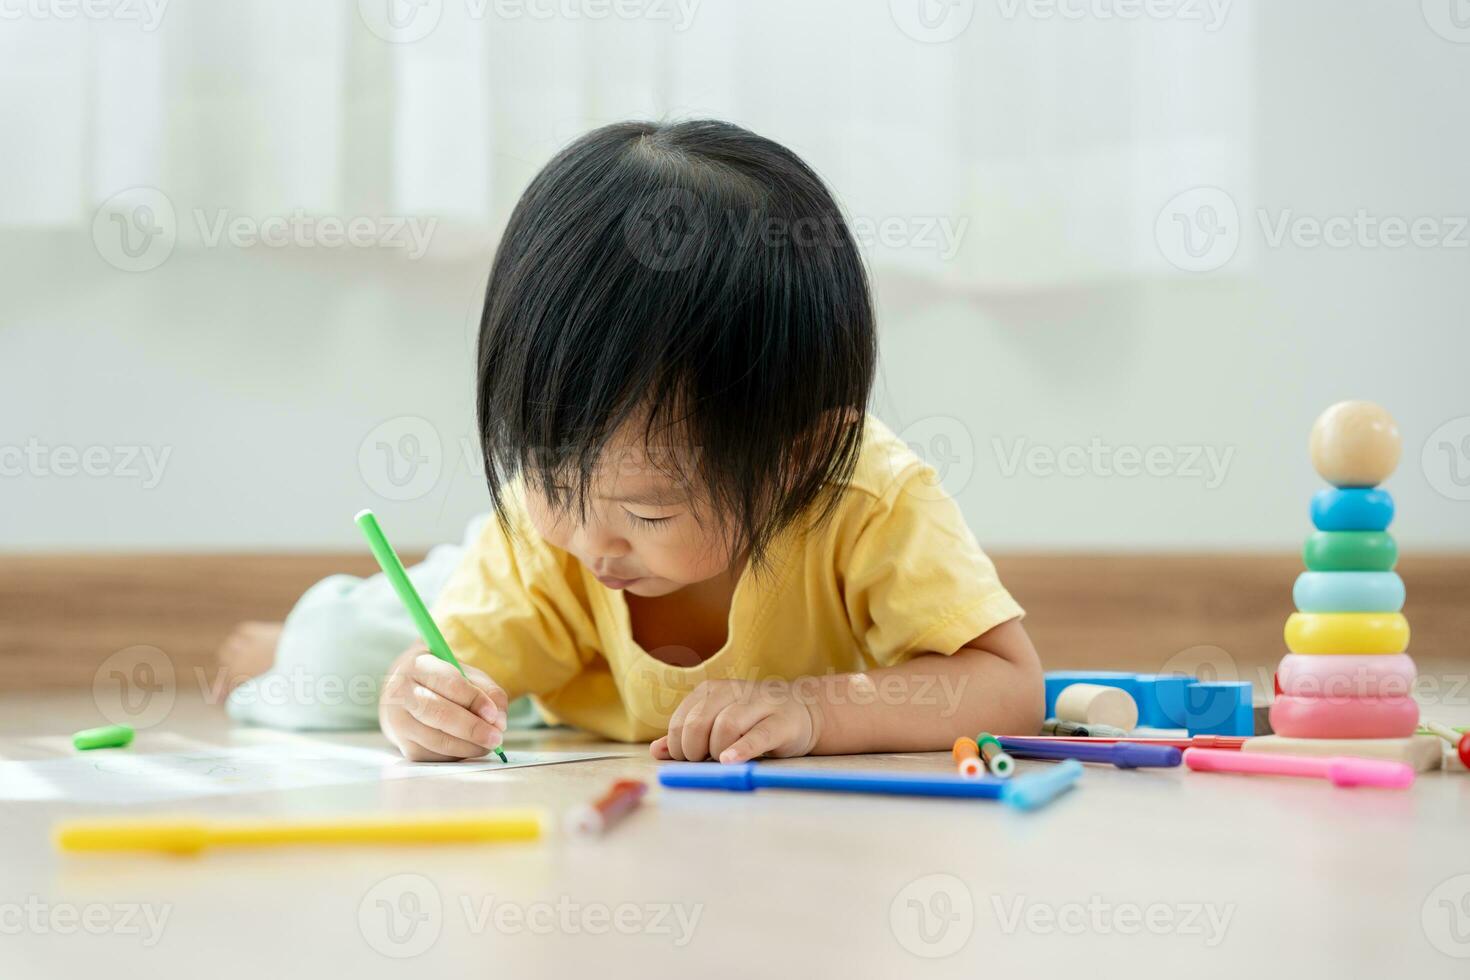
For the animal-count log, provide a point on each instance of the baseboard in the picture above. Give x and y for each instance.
(61, 616)
(1147, 612)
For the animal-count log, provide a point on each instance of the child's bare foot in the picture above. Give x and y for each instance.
(249, 650)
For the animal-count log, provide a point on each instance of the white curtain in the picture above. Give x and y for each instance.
(1028, 152)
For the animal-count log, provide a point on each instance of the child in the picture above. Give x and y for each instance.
(699, 536)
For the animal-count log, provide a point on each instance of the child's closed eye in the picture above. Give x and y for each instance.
(648, 521)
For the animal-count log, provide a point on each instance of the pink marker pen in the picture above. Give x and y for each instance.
(1342, 770)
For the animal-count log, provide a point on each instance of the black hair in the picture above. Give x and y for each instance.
(704, 277)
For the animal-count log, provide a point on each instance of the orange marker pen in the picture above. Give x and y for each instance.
(967, 757)
(591, 819)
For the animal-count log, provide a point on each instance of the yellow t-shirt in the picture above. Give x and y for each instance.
(894, 572)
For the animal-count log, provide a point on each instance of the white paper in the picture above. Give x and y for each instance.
(110, 776)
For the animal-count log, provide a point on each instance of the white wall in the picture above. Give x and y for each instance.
(261, 372)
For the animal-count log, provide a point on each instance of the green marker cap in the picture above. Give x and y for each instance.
(106, 737)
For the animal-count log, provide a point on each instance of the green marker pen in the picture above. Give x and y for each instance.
(996, 759)
(393, 568)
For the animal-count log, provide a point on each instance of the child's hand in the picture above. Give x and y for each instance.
(734, 721)
(432, 714)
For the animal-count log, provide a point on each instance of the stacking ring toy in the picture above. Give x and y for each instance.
(1351, 509)
(1350, 551)
(1356, 632)
(1338, 677)
(1349, 592)
(1297, 717)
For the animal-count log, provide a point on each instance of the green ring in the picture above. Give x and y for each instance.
(1350, 551)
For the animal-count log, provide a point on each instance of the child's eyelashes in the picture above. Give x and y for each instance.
(648, 521)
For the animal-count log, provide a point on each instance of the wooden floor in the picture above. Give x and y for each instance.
(1164, 873)
(1192, 874)
(61, 616)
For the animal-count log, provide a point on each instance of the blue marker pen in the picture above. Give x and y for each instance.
(1124, 755)
(1026, 792)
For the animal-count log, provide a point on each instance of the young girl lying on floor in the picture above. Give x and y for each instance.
(700, 538)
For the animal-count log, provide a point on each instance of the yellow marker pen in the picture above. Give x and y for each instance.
(184, 835)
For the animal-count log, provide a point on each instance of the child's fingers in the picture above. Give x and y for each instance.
(733, 722)
(435, 711)
(676, 722)
(444, 680)
(414, 752)
(485, 683)
(761, 739)
(709, 700)
(438, 741)
(659, 748)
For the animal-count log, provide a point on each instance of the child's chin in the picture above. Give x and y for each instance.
(652, 588)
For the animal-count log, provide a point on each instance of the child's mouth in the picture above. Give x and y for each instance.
(616, 583)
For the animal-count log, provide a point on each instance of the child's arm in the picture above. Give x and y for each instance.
(993, 683)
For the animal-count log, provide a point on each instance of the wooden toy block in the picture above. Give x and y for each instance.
(1058, 680)
(1096, 704)
(1423, 752)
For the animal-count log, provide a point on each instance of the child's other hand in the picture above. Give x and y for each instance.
(432, 714)
(735, 721)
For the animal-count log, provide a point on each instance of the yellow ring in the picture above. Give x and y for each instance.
(1347, 632)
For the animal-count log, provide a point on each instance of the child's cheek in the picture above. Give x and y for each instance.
(553, 532)
(694, 557)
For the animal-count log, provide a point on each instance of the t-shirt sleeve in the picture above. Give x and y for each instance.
(512, 609)
(914, 578)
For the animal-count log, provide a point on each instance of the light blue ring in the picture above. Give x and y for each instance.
(1348, 592)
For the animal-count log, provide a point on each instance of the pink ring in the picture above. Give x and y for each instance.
(1337, 677)
(1344, 718)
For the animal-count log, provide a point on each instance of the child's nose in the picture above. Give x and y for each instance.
(599, 542)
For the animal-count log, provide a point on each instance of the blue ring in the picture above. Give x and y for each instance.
(1352, 509)
(1348, 592)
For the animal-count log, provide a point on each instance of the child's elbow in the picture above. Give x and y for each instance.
(1029, 705)
(1025, 701)
(1010, 689)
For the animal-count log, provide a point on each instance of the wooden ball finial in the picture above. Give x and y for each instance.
(1355, 444)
